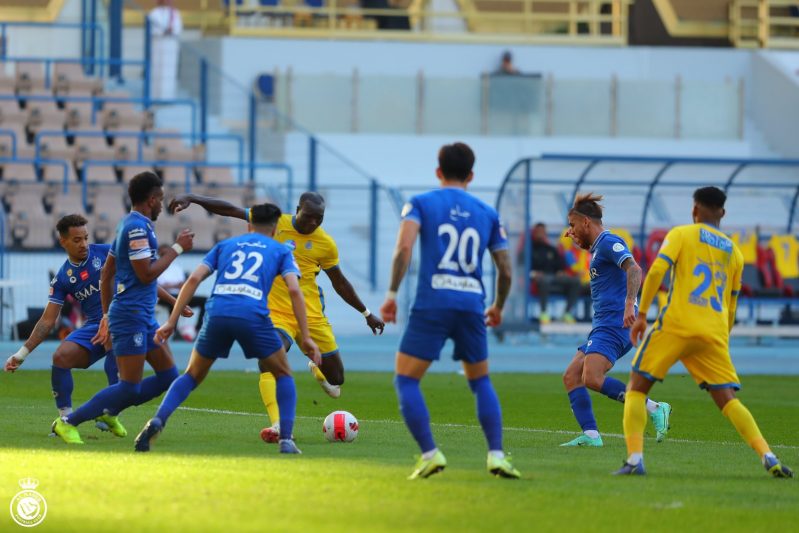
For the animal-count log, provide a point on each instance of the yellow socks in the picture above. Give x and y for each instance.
(268, 388)
(746, 426)
(635, 416)
(318, 374)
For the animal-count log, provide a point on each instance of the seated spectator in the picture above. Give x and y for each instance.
(551, 275)
(172, 279)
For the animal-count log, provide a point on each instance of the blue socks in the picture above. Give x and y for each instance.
(287, 404)
(414, 411)
(614, 389)
(488, 411)
(176, 395)
(153, 386)
(113, 398)
(110, 367)
(581, 407)
(61, 380)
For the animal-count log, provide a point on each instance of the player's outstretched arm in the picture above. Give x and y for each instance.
(184, 297)
(344, 288)
(40, 331)
(503, 284)
(309, 347)
(170, 300)
(634, 274)
(651, 286)
(406, 238)
(212, 205)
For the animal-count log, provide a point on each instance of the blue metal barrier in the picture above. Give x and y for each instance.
(141, 136)
(38, 162)
(13, 135)
(522, 174)
(98, 99)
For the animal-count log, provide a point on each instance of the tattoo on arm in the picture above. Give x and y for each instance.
(633, 278)
(39, 333)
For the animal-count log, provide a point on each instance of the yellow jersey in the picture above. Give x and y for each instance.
(706, 268)
(786, 254)
(313, 253)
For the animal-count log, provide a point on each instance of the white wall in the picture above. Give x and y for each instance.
(438, 59)
(411, 160)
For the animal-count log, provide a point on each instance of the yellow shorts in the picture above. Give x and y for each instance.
(321, 332)
(707, 361)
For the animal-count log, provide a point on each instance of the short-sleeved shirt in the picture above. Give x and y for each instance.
(313, 253)
(82, 282)
(455, 231)
(706, 268)
(608, 280)
(135, 241)
(246, 267)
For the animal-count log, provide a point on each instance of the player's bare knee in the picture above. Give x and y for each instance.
(62, 359)
(593, 380)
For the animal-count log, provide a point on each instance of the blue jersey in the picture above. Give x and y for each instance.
(135, 241)
(82, 282)
(608, 280)
(247, 265)
(455, 230)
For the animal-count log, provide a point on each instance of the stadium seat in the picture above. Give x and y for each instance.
(772, 281)
(176, 176)
(92, 149)
(18, 171)
(11, 114)
(43, 119)
(128, 172)
(102, 228)
(786, 255)
(29, 76)
(221, 176)
(31, 229)
(54, 147)
(28, 198)
(80, 114)
(108, 199)
(103, 174)
(55, 172)
(68, 78)
(55, 201)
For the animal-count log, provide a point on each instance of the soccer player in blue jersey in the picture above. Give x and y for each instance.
(237, 311)
(615, 280)
(455, 230)
(131, 322)
(79, 277)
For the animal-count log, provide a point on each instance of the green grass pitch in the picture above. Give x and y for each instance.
(209, 471)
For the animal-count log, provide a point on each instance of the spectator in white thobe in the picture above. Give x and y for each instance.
(165, 28)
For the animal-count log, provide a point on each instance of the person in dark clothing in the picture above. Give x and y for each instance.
(550, 273)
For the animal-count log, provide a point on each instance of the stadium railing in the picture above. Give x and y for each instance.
(544, 188)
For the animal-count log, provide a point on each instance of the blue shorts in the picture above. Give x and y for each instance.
(608, 341)
(258, 339)
(132, 338)
(429, 329)
(83, 337)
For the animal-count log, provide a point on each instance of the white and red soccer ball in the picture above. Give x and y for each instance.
(340, 426)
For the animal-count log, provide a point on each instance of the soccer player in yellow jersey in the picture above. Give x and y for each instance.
(314, 251)
(693, 327)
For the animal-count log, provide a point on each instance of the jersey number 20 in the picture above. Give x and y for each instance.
(238, 266)
(465, 244)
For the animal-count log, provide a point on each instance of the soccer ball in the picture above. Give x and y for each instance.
(340, 426)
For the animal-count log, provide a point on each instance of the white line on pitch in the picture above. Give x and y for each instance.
(470, 426)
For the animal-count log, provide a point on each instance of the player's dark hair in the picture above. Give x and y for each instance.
(456, 161)
(587, 205)
(142, 185)
(70, 221)
(264, 214)
(712, 197)
(312, 197)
